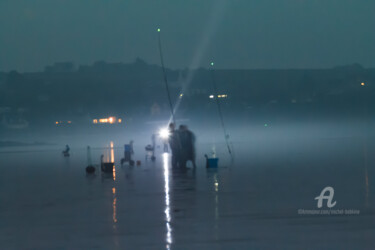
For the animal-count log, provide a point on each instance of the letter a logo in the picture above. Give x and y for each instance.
(328, 197)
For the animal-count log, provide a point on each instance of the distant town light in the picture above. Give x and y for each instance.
(62, 122)
(211, 96)
(110, 120)
(222, 96)
(362, 83)
(181, 95)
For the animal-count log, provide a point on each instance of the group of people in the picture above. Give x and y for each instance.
(182, 144)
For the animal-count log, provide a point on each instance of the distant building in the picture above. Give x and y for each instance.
(60, 67)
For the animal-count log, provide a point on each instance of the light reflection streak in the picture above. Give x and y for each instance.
(114, 202)
(113, 160)
(112, 153)
(167, 210)
(114, 205)
(114, 217)
(216, 183)
(216, 226)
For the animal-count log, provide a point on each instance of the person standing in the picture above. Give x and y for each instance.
(128, 151)
(174, 144)
(187, 139)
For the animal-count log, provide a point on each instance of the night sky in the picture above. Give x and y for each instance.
(233, 33)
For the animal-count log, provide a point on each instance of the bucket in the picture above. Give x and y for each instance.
(212, 162)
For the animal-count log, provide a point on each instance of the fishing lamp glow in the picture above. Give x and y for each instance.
(164, 133)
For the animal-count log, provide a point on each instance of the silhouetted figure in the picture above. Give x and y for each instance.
(165, 145)
(174, 144)
(150, 149)
(90, 169)
(128, 152)
(153, 140)
(187, 139)
(66, 151)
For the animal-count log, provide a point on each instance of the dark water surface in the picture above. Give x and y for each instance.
(48, 201)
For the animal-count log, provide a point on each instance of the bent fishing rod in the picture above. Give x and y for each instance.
(226, 136)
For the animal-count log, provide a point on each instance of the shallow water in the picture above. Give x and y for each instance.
(48, 201)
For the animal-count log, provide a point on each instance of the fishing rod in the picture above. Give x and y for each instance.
(226, 136)
(165, 78)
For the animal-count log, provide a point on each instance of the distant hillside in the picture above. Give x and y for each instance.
(136, 90)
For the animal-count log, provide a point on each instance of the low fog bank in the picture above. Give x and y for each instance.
(259, 132)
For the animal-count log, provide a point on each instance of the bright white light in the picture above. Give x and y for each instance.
(164, 133)
(167, 210)
(212, 96)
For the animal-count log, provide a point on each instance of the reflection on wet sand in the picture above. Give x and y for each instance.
(113, 160)
(114, 205)
(167, 210)
(114, 217)
(216, 183)
(114, 195)
(112, 152)
(216, 212)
